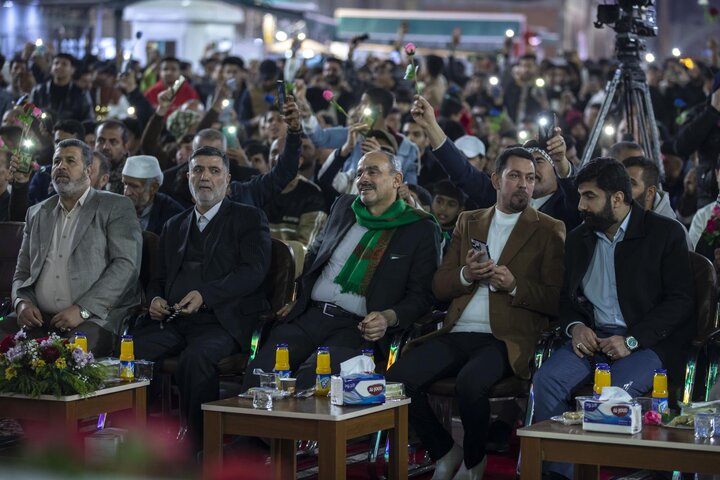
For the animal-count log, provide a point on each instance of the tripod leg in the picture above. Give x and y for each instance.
(602, 115)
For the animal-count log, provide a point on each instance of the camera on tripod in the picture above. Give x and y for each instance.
(629, 16)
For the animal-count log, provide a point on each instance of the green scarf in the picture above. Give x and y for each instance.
(359, 268)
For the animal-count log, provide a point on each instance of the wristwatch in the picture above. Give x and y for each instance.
(84, 313)
(631, 343)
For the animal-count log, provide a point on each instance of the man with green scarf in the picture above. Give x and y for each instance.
(367, 275)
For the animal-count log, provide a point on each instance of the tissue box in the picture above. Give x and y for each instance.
(357, 389)
(612, 416)
(103, 445)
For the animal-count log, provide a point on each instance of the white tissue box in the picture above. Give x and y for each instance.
(614, 416)
(357, 389)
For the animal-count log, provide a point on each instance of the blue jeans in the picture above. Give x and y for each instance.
(564, 371)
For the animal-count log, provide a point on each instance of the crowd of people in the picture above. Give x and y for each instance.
(403, 196)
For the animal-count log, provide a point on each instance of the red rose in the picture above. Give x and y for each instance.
(711, 226)
(50, 354)
(713, 11)
(7, 343)
(41, 339)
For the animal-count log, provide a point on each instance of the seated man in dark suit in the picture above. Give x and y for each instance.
(501, 300)
(626, 299)
(212, 262)
(141, 177)
(366, 276)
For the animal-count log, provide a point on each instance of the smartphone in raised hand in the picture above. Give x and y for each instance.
(281, 96)
(177, 85)
(546, 121)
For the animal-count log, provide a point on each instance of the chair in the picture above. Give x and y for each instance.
(11, 235)
(279, 287)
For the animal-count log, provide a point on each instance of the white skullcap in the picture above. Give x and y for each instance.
(143, 166)
(470, 145)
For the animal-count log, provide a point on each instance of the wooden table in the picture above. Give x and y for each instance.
(306, 419)
(655, 448)
(65, 411)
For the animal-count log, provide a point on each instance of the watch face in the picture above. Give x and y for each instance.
(84, 314)
(631, 342)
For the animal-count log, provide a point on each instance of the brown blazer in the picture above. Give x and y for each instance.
(534, 253)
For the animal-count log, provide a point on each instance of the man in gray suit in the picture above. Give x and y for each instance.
(80, 257)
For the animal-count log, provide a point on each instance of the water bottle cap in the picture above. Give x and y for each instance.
(282, 345)
(80, 334)
(602, 366)
(368, 350)
(127, 337)
(323, 349)
(661, 371)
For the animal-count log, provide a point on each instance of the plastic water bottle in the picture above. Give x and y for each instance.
(602, 379)
(660, 392)
(322, 381)
(127, 359)
(282, 361)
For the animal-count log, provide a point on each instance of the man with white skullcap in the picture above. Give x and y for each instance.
(141, 178)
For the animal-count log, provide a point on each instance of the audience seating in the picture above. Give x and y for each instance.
(279, 287)
(11, 235)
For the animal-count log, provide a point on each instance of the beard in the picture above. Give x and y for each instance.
(519, 201)
(599, 221)
(332, 80)
(66, 187)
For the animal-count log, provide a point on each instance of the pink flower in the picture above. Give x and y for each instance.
(36, 112)
(328, 95)
(410, 48)
(2, 142)
(711, 226)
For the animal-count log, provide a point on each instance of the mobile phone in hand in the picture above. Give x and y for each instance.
(281, 94)
(480, 247)
(177, 85)
(546, 121)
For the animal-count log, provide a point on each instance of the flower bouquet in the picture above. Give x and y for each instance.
(47, 366)
(711, 234)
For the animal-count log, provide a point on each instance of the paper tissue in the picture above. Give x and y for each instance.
(615, 411)
(357, 384)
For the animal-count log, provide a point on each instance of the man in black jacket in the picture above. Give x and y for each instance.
(367, 275)
(60, 95)
(553, 196)
(627, 295)
(141, 177)
(212, 262)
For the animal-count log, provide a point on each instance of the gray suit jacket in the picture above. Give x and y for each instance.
(104, 263)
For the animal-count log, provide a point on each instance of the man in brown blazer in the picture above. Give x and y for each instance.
(503, 273)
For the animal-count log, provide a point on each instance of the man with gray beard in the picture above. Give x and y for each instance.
(80, 257)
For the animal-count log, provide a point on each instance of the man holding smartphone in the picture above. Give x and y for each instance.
(170, 77)
(503, 273)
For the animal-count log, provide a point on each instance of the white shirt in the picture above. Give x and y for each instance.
(52, 289)
(204, 218)
(476, 316)
(699, 222)
(326, 290)
(537, 203)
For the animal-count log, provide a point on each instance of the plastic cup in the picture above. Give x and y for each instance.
(262, 398)
(580, 402)
(268, 380)
(704, 425)
(144, 370)
(287, 385)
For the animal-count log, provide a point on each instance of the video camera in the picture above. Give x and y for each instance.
(629, 16)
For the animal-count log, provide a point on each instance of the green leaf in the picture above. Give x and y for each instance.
(410, 72)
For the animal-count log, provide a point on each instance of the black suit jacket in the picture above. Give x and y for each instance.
(163, 209)
(654, 284)
(235, 265)
(403, 279)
